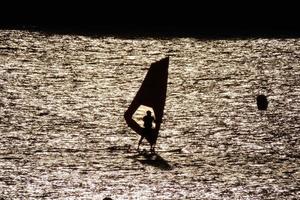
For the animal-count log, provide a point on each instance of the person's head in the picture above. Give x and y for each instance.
(149, 113)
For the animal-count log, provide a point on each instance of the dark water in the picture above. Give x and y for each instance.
(63, 135)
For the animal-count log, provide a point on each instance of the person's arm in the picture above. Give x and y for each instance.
(155, 121)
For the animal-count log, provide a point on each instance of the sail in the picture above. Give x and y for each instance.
(152, 93)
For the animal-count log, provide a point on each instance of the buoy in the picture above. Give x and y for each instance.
(262, 102)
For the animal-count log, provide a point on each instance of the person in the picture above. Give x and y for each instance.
(148, 120)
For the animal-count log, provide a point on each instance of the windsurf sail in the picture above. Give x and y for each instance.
(152, 93)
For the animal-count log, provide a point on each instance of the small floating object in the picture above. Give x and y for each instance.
(43, 113)
(262, 102)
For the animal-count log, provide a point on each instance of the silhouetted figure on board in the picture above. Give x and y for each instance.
(148, 119)
(262, 102)
(152, 93)
(148, 131)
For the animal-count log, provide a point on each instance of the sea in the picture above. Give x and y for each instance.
(63, 133)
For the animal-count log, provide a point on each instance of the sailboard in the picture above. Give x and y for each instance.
(151, 94)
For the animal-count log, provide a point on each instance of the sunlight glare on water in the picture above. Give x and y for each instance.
(63, 134)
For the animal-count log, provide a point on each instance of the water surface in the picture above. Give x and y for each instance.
(63, 135)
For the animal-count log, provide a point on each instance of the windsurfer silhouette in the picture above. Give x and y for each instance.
(152, 93)
(148, 120)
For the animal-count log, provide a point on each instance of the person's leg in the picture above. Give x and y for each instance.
(140, 142)
(152, 148)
